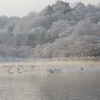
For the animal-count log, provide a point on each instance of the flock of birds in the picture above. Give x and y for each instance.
(17, 68)
(21, 68)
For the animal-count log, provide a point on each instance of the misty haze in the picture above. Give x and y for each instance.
(51, 55)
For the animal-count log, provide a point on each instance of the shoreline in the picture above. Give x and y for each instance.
(48, 59)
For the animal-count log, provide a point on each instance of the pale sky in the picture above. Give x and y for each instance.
(23, 7)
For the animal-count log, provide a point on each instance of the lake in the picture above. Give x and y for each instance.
(72, 86)
(76, 85)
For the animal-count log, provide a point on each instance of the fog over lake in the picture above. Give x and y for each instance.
(70, 86)
(50, 80)
(51, 55)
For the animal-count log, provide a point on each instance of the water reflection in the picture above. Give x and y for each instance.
(50, 87)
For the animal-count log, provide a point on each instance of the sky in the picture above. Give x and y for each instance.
(23, 7)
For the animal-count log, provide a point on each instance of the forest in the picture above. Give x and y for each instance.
(57, 31)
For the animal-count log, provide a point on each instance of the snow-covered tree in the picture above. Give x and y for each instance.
(58, 30)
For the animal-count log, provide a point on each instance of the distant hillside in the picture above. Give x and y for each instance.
(58, 31)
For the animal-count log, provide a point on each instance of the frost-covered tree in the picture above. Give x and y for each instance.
(36, 37)
(84, 27)
(58, 30)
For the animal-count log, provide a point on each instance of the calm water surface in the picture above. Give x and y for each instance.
(83, 86)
